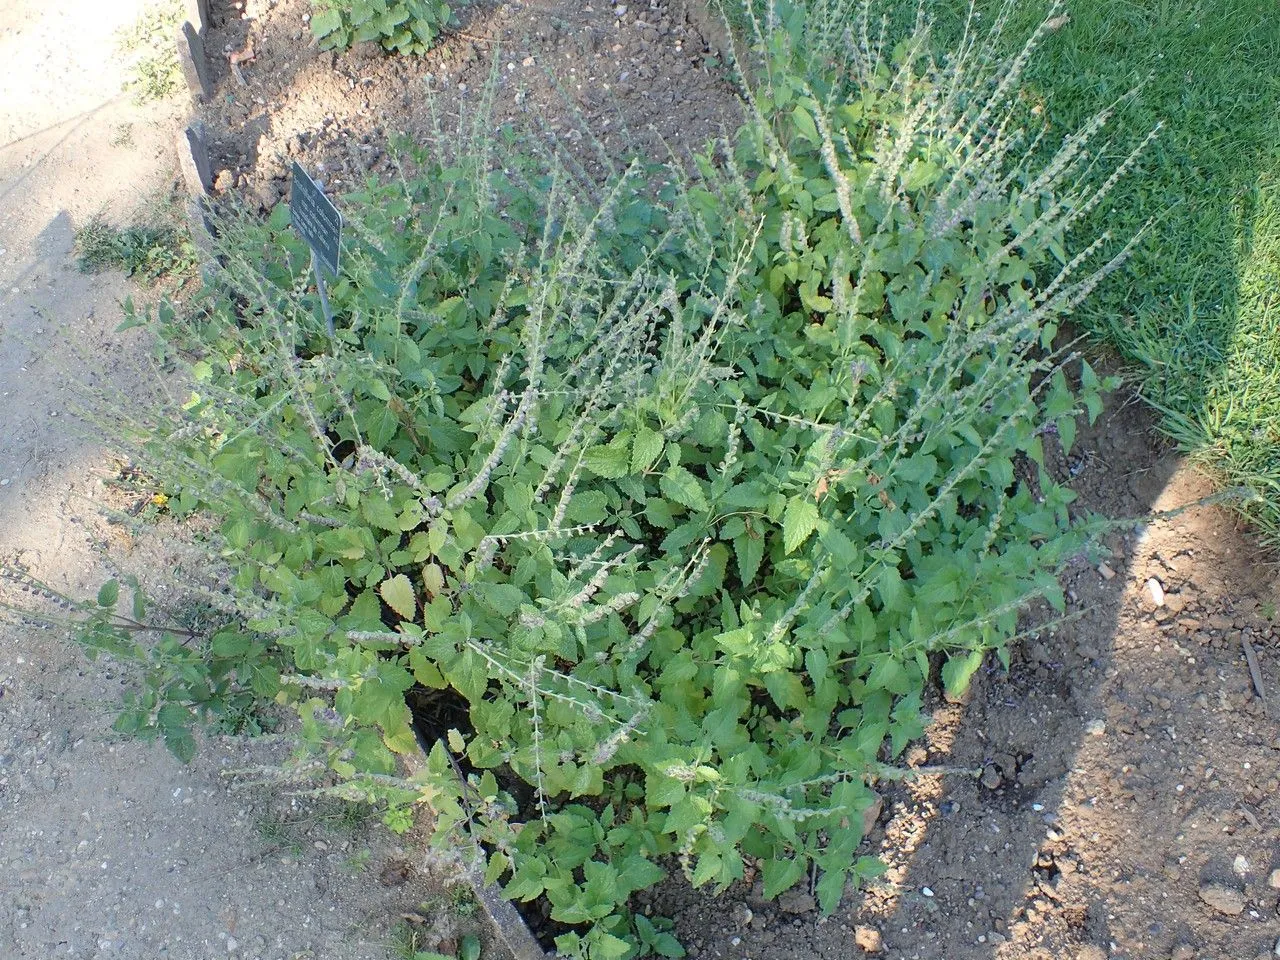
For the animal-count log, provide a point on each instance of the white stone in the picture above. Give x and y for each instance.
(1156, 591)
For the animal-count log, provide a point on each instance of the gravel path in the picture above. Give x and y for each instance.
(111, 848)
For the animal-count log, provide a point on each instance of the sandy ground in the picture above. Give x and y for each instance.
(111, 848)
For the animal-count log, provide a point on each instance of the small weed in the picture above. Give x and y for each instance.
(280, 833)
(358, 862)
(1269, 611)
(149, 252)
(405, 941)
(344, 818)
(462, 902)
(400, 26)
(149, 42)
(122, 135)
(406, 944)
(292, 830)
(456, 900)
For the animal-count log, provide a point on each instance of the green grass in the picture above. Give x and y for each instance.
(1195, 312)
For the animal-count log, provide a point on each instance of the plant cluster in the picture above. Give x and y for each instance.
(154, 71)
(400, 26)
(148, 252)
(683, 485)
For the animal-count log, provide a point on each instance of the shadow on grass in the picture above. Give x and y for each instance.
(1194, 313)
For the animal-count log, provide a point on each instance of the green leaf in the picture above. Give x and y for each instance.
(108, 594)
(1067, 433)
(749, 551)
(605, 946)
(380, 512)
(398, 593)
(646, 447)
(781, 875)
(608, 462)
(798, 522)
(503, 598)
(229, 644)
(181, 744)
(587, 506)
(325, 22)
(680, 485)
(958, 671)
(805, 125)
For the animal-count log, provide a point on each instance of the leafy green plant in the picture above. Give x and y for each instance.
(154, 71)
(183, 682)
(149, 252)
(684, 486)
(400, 26)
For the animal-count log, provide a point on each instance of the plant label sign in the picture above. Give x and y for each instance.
(316, 219)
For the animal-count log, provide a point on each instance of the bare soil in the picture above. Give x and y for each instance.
(642, 83)
(1128, 801)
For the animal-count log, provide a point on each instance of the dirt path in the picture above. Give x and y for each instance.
(112, 848)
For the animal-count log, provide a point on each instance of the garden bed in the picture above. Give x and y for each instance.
(640, 80)
(1076, 835)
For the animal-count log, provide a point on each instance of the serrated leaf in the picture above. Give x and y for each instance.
(1067, 433)
(608, 462)
(749, 551)
(646, 447)
(230, 643)
(181, 744)
(958, 671)
(108, 594)
(680, 485)
(380, 512)
(325, 22)
(798, 522)
(606, 946)
(398, 593)
(781, 875)
(805, 125)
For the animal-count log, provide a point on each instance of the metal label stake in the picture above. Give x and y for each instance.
(324, 294)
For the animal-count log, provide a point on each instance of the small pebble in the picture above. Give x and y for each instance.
(1095, 728)
(1223, 898)
(1155, 591)
(1106, 571)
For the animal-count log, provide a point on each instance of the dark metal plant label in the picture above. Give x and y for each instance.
(316, 219)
